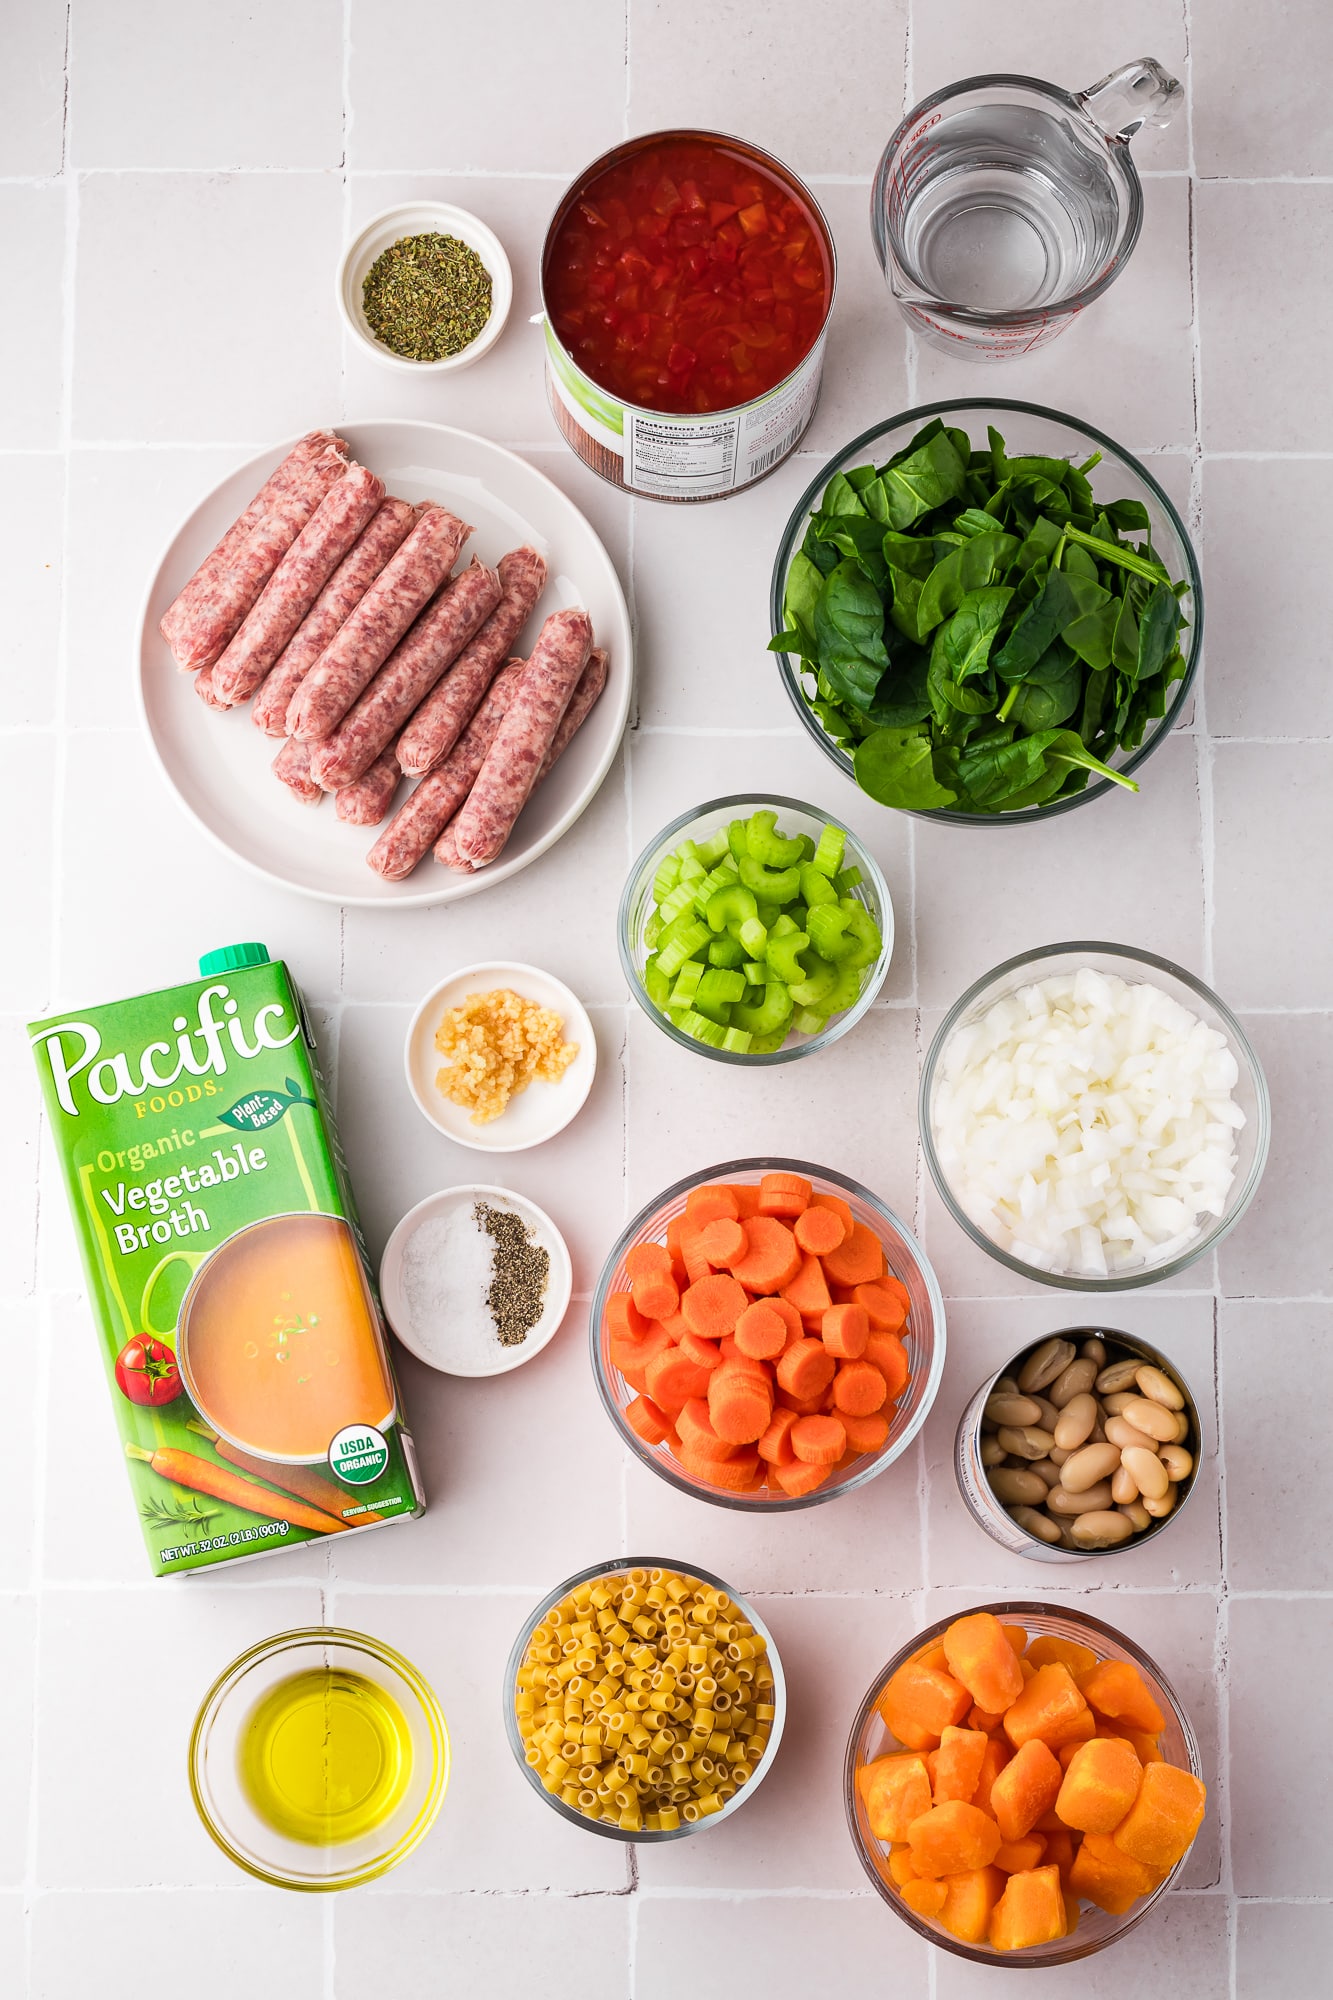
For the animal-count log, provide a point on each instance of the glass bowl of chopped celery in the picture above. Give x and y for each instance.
(755, 931)
(1093, 1116)
(986, 612)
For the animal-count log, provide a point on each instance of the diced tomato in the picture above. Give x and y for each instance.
(720, 212)
(754, 219)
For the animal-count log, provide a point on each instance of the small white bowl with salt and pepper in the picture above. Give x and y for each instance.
(475, 1280)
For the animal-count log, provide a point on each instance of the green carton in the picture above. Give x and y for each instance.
(226, 1268)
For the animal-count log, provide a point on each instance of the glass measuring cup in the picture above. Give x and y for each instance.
(1003, 205)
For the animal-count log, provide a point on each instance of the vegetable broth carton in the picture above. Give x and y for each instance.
(227, 1272)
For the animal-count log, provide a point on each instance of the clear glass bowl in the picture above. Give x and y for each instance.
(1026, 427)
(219, 1730)
(924, 1336)
(870, 1739)
(619, 1566)
(636, 905)
(1137, 967)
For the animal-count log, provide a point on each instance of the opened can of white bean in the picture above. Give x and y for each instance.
(1086, 1443)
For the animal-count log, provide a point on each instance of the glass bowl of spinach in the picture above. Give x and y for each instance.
(986, 611)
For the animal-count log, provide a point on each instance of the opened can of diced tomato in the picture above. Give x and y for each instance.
(687, 282)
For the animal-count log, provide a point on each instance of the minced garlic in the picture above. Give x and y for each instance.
(496, 1044)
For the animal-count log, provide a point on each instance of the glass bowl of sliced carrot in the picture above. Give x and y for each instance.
(1022, 1784)
(673, 1712)
(755, 930)
(767, 1335)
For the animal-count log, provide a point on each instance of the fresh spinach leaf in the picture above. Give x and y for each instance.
(1054, 607)
(916, 486)
(849, 634)
(895, 767)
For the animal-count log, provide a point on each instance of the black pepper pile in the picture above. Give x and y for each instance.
(520, 1268)
(427, 297)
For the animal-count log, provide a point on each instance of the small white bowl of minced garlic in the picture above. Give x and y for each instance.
(475, 1280)
(500, 1056)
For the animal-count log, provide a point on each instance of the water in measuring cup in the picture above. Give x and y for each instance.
(1006, 209)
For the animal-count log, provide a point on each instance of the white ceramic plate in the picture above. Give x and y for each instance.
(538, 1112)
(559, 1284)
(218, 765)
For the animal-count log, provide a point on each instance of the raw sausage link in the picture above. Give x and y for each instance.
(409, 673)
(279, 481)
(292, 765)
(435, 728)
(514, 759)
(296, 583)
(423, 817)
(219, 608)
(591, 683)
(356, 653)
(207, 692)
(367, 801)
(334, 605)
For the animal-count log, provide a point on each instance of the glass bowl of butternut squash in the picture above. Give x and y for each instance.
(767, 1335)
(1022, 1784)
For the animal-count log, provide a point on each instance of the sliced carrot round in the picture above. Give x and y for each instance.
(775, 1445)
(646, 1420)
(723, 1241)
(771, 1257)
(867, 1433)
(673, 1378)
(734, 1475)
(818, 1440)
(706, 1204)
(845, 1330)
(800, 1477)
(712, 1305)
(886, 1311)
(641, 1259)
(783, 1194)
(739, 1405)
(859, 1388)
(806, 1368)
(694, 1427)
(760, 1332)
(655, 1294)
(817, 1231)
(624, 1321)
(836, 1206)
(890, 1357)
(706, 1353)
(858, 1260)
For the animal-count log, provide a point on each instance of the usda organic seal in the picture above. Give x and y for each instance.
(358, 1455)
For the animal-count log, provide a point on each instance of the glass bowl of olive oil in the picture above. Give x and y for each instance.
(319, 1759)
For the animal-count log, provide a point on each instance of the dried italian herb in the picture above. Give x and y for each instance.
(427, 297)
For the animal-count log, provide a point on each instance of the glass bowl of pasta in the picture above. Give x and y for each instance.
(859, 1356)
(644, 1699)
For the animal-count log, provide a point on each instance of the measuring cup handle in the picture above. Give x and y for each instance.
(1139, 94)
(192, 1259)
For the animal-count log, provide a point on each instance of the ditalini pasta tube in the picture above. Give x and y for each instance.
(357, 652)
(296, 583)
(334, 605)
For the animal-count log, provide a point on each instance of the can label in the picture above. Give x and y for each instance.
(681, 457)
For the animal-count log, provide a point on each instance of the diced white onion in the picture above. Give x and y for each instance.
(1087, 1125)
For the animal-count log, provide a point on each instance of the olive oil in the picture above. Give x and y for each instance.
(326, 1756)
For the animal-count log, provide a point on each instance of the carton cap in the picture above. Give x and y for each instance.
(231, 958)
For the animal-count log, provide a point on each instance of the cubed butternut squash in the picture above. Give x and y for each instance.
(1026, 1788)
(953, 1837)
(1100, 1785)
(1164, 1818)
(897, 1791)
(956, 1765)
(1144, 1746)
(1107, 1876)
(1048, 1707)
(920, 1703)
(984, 1720)
(901, 1865)
(1013, 1856)
(981, 1657)
(1048, 1650)
(1060, 1851)
(996, 1756)
(1117, 1690)
(926, 1898)
(1031, 1911)
(970, 1898)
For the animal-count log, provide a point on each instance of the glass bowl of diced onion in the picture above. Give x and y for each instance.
(871, 1738)
(647, 904)
(1121, 1206)
(748, 1646)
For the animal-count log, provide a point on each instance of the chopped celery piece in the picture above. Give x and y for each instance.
(776, 886)
(737, 839)
(819, 981)
(846, 990)
(655, 983)
(676, 902)
(730, 905)
(807, 848)
(866, 940)
(738, 1040)
(719, 988)
(797, 913)
(764, 1045)
(672, 956)
(692, 869)
(781, 959)
(687, 983)
(676, 1015)
(717, 879)
(846, 880)
(768, 846)
(725, 951)
(807, 1022)
(768, 914)
(754, 989)
(773, 1011)
(653, 929)
(827, 857)
(816, 888)
(712, 849)
(753, 935)
(783, 927)
(687, 851)
(755, 971)
(680, 927)
(828, 931)
(703, 1030)
(666, 878)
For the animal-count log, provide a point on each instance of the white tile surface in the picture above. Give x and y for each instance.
(186, 208)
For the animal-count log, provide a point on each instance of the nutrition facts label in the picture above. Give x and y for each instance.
(681, 458)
